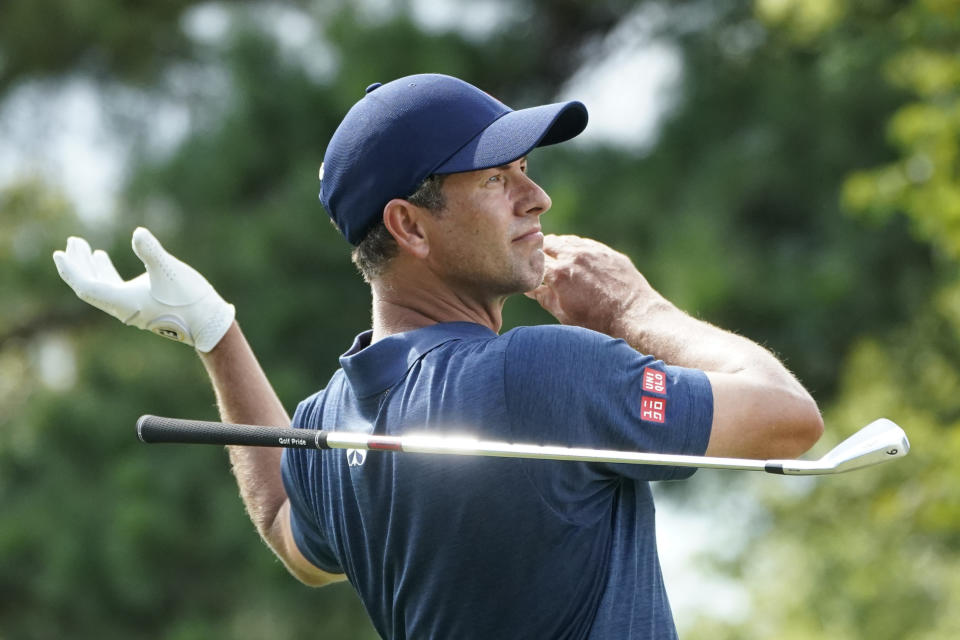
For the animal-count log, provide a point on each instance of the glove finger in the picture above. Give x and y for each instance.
(148, 248)
(78, 252)
(67, 269)
(106, 296)
(103, 268)
(171, 281)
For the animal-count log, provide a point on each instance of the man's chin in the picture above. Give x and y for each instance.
(531, 284)
(538, 264)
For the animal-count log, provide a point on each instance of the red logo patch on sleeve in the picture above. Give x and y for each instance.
(653, 409)
(654, 381)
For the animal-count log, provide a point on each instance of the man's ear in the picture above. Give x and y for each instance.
(404, 222)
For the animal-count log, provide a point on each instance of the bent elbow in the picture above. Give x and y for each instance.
(814, 429)
(806, 428)
(314, 578)
(754, 418)
(279, 537)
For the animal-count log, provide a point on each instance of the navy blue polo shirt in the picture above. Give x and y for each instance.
(442, 546)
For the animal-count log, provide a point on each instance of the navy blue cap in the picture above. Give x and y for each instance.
(402, 132)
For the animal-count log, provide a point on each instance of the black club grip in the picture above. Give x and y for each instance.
(154, 429)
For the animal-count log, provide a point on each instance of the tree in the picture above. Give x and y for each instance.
(875, 555)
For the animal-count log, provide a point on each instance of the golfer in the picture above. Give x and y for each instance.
(426, 177)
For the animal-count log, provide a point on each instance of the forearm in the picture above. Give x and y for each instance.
(656, 327)
(245, 396)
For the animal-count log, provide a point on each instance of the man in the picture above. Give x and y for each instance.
(426, 177)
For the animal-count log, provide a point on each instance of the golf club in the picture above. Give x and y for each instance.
(879, 441)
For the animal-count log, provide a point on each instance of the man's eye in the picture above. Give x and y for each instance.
(495, 178)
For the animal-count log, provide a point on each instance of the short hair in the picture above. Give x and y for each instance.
(379, 247)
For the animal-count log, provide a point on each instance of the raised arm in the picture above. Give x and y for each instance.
(245, 396)
(173, 300)
(760, 409)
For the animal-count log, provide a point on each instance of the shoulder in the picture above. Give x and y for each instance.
(565, 345)
(563, 370)
(557, 332)
(309, 412)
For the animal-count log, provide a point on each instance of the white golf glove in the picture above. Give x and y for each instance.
(170, 299)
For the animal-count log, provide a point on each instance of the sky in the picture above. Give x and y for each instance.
(57, 131)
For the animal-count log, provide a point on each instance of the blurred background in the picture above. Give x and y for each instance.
(787, 169)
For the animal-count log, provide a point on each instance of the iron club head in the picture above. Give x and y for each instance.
(879, 441)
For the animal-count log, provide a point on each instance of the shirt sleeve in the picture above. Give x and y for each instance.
(301, 482)
(575, 387)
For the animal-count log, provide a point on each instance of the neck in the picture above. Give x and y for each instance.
(404, 303)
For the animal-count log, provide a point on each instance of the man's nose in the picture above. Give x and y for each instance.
(535, 200)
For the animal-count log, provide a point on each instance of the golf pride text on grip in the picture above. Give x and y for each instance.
(155, 429)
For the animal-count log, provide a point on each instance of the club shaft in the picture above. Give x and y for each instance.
(155, 429)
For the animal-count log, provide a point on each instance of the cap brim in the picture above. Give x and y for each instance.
(517, 133)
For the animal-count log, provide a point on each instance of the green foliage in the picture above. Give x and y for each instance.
(923, 182)
(875, 555)
(872, 554)
(134, 40)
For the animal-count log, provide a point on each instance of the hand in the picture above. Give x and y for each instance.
(170, 299)
(588, 284)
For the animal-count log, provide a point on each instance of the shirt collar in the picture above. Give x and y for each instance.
(373, 368)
